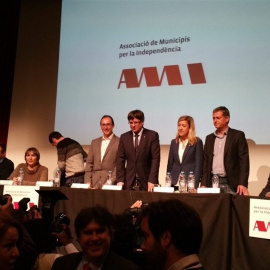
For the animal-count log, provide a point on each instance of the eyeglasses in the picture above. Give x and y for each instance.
(134, 122)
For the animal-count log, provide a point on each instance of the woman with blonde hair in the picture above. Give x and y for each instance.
(186, 151)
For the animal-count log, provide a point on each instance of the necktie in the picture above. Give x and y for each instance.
(86, 266)
(136, 142)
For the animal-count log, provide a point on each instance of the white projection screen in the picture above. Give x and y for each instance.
(167, 58)
(80, 59)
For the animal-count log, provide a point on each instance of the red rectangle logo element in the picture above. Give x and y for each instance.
(196, 73)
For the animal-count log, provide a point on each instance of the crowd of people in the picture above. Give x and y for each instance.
(134, 159)
(172, 234)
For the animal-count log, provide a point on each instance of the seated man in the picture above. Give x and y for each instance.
(266, 191)
(93, 227)
(6, 165)
(173, 234)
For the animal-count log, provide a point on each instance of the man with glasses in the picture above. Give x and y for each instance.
(102, 155)
(138, 155)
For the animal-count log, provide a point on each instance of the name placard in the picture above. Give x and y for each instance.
(164, 189)
(112, 187)
(259, 218)
(19, 192)
(208, 190)
(80, 185)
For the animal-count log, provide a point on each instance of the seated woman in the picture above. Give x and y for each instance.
(186, 151)
(33, 171)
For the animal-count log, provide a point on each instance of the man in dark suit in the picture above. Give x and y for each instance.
(93, 227)
(266, 190)
(102, 155)
(226, 154)
(138, 155)
(6, 165)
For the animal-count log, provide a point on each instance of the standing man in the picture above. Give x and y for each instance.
(6, 165)
(226, 154)
(173, 234)
(102, 155)
(71, 158)
(138, 155)
(94, 228)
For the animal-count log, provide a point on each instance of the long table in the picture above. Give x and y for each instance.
(226, 243)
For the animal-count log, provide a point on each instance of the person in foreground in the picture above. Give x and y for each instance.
(10, 235)
(138, 155)
(32, 169)
(93, 227)
(6, 165)
(173, 234)
(186, 151)
(102, 155)
(226, 154)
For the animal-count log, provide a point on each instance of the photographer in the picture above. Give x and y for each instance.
(53, 238)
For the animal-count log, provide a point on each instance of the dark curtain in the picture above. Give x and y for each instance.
(9, 24)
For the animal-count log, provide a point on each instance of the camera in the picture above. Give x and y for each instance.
(60, 219)
(3, 200)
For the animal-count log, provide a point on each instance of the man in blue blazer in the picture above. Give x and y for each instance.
(138, 155)
(226, 154)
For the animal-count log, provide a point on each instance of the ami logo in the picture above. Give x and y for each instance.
(261, 226)
(130, 79)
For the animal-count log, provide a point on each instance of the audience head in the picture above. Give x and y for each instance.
(93, 227)
(10, 236)
(171, 229)
(136, 120)
(107, 125)
(186, 129)
(2, 150)
(32, 156)
(55, 137)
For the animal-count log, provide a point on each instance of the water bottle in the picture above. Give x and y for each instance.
(57, 178)
(182, 181)
(168, 180)
(109, 178)
(191, 182)
(20, 177)
(215, 181)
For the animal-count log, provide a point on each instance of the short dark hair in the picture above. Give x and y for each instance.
(98, 213)
(104, 116)
(136, 114)
(224, 110)
(181, 220)
(34, 150)
(54, 135)
(6, 222)
(3, 148)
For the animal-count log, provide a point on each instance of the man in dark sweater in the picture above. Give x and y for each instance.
(6, 165)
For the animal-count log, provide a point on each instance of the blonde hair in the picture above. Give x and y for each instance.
(192, 139)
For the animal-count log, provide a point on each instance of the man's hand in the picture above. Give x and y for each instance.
(242, 190)
(120, 184)
(8, 207)
(150, 187)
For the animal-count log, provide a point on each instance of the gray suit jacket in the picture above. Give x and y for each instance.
(96, 170)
